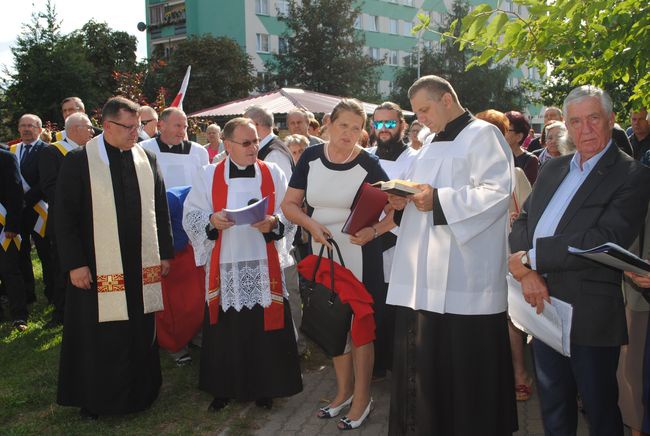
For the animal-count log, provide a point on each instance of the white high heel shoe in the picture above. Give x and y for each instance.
(347, 424)
(330, 412)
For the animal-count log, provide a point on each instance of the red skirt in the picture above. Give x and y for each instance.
(183, 291)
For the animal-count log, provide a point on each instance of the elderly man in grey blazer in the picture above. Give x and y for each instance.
(597, 195)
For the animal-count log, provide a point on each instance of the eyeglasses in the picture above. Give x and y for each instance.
(145, 122)
(388, 124)
(124, 126)
(246, 143)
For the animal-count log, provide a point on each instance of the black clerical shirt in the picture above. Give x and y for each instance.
(183, 148)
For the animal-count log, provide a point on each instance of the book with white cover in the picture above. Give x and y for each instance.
(552, 326)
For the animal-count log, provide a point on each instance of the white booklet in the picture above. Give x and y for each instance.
(552, 326)
(248, 214)
(614, 256)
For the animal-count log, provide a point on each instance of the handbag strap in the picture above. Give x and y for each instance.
(330, 255)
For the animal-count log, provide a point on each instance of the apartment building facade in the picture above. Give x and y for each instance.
(385, 24)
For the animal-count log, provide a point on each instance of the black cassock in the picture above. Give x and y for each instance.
(110, 367)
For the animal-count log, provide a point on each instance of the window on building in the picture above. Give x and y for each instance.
(282, 7)
(358, 22)
(262, 7)
(393, 26)
(283, 45)
(373, 23)
(262, 42)
(374, 53)
(409, 3)
(156, 14)
(408, 28)
(393, 57)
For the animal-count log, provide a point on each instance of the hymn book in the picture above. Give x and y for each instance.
(366, 209)
(403, 188)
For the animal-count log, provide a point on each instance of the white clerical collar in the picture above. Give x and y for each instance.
(239, 167)
(268, 138)
(70, 141)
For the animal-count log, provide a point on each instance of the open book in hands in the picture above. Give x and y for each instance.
(403, 188)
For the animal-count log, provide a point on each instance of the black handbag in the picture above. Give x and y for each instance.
(325, 320)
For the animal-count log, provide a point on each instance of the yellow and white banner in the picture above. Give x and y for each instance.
(41, 221)
(4, 241)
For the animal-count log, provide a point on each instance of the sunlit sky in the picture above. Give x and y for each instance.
(118, 14)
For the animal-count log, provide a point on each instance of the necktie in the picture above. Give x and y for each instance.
(25, 152)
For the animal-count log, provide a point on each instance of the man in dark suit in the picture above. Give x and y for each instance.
(11, 205)
(598, 195)
(78, 131)
(28, 152)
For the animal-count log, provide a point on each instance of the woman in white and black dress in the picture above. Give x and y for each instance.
(328, 176)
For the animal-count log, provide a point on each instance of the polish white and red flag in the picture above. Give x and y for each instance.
(178, 100)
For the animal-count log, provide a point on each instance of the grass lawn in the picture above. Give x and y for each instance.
(28, 382)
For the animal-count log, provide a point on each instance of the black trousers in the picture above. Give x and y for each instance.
(42, 245)
(13, 282)
(59, 283)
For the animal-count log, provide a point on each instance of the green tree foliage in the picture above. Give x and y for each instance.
(109, 52)
(325, 52)
(49, 66)
(478, 87)
(221, 72)
(599, 42)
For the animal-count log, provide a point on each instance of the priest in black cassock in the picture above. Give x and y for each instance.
(114, 239)
(249, 348)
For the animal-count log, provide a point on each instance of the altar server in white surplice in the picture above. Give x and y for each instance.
(452, 372)
(249, 348)
(395, 157)
(178, 158)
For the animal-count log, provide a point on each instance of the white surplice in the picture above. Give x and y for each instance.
(243, 261)
(400, 168)
(178, 169)
(460, 267)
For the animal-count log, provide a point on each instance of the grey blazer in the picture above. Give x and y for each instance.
(610, 206)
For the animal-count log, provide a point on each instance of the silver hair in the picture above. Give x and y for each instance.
(260, 115)
(213, 126)
(75, 119)
(586, 91)
(301, 112)
(39, 122)
(564, 143)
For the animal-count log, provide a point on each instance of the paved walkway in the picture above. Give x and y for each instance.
(297, 415)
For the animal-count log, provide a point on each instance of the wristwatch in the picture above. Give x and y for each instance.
(525, 260)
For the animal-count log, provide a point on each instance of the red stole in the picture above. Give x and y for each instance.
(274, 314)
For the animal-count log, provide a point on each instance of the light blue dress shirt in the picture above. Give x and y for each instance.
(562, 198)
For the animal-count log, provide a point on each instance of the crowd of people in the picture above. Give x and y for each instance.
(141, 250)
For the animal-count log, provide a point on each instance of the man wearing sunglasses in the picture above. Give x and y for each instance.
(148, 123)
(395, 158)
